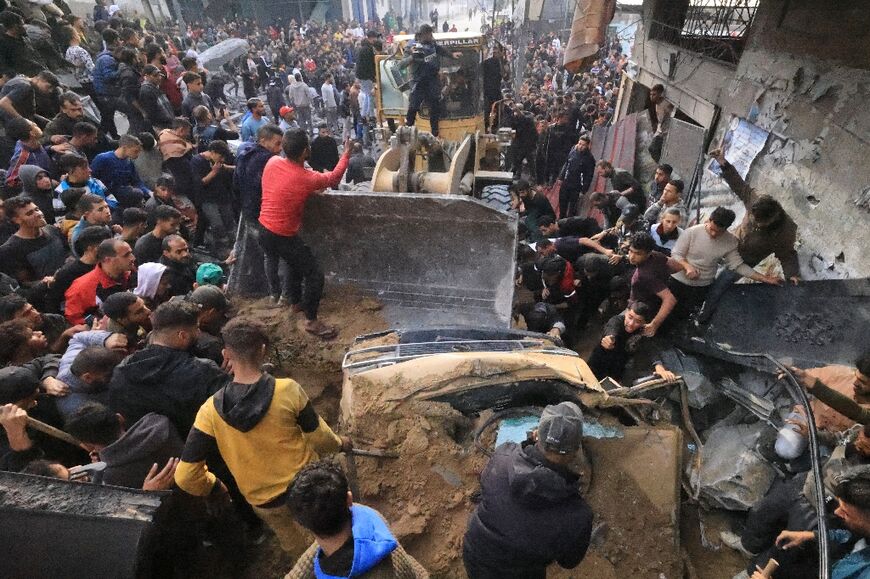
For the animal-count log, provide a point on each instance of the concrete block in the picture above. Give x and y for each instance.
(733, 476)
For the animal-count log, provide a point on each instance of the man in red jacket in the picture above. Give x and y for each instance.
(115, 261)
(287, 184)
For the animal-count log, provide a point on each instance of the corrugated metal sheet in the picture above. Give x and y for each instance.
(682, 148)
(616, 144)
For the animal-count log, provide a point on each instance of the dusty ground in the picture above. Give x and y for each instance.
(426, 495)
(715, 561)
(316, 365)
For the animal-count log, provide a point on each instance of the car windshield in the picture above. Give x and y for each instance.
(461, 85)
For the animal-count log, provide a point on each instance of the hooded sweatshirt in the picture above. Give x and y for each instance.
(248, 177)
(371, 552)
(148, 276)
(531, 514)
(80, 392)
(297, 93)
(265, 432)
(152, 439)
(372, 542)
(43, 198)
(166, 381)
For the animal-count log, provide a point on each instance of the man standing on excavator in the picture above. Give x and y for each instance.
(426, 87)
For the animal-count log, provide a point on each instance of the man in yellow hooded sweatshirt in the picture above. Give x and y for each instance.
(265, 429)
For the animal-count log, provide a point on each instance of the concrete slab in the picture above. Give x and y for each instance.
(813, 324)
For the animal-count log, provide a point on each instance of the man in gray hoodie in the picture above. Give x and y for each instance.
(129, 453)
(299, 96)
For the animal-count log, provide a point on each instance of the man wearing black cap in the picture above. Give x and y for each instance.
(155, 105)
(426, 87)
(213, 309)
(531, 513)
(18, 390)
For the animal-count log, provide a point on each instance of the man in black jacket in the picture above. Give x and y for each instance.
(324, 150)
(17, 55)
(533, 207)
(72, 113)
(359, 162)
(531, 513)
(18, 390)
(129, 450)
(156, 107)
(365, 66)
(494, 72)
(164, 377)
(251, 159)
(576, 177)
(561, 136)
(525, 142)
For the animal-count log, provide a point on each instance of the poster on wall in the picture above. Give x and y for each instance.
(741, 144)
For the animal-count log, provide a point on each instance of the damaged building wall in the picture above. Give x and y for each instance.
(805, 73)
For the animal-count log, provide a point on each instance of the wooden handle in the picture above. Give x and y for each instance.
(770, 568)
(52, 431)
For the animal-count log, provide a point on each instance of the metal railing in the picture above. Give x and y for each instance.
(714, 28)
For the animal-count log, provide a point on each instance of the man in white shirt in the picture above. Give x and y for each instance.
(700, 250)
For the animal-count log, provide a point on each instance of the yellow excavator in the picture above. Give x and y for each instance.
(431, 237)
(464, 160)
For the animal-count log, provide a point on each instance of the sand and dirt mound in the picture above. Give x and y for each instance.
(426, 494)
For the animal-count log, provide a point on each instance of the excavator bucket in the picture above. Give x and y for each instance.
(430, 259)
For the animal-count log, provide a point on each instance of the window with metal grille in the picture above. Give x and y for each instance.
(714, 28)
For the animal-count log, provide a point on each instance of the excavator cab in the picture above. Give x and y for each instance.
(461, 81)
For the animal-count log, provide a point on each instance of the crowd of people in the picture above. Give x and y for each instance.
(117, 234)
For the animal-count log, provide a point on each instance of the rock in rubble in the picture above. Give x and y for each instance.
(733, 476)
(700, 389)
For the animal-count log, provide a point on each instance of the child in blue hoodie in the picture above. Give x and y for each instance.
(351, 540)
